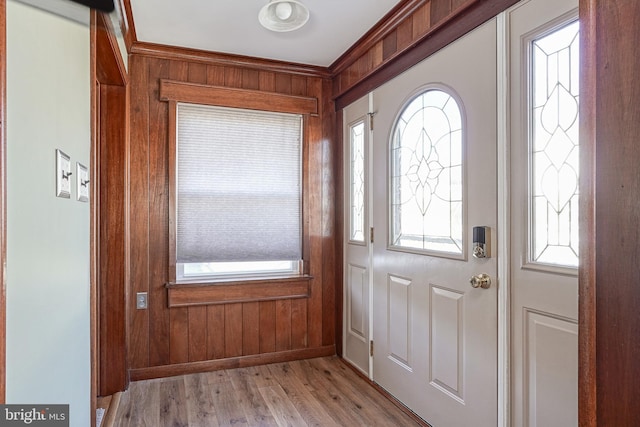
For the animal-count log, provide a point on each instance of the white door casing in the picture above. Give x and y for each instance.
(357, 247)
(434, 335)
(544, 296)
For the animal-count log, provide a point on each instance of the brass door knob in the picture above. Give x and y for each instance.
(481, 280)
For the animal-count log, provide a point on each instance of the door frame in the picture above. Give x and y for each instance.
(109, 97)
(504, 221)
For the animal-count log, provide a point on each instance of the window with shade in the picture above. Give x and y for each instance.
(238, 176)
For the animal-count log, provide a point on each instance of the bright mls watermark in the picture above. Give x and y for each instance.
(34, 415)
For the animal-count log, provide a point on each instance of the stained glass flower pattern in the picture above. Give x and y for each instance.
(426, 175)
(555, 147)
(357, 160)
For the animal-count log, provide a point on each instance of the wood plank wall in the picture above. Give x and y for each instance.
(169, 341)
(409, 33)
(610, 213)
(403, 26)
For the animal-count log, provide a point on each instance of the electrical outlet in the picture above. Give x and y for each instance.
(141, 300)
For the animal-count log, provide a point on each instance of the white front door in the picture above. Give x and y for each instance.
(543, 38)
(357, 271)
(434, 179)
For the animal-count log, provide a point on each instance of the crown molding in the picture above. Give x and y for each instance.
(225, 59)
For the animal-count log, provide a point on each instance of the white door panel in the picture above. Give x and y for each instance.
(434, 335)
(544, 296)
(357, 280)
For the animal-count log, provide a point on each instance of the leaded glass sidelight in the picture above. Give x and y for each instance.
(357, 181)
(426, 175)
(554, 147)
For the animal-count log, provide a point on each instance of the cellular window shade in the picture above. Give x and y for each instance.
(239, 185)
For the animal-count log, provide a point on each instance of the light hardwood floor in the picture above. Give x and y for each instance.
(316, 392)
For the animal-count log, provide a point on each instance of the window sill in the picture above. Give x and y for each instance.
(237, 290)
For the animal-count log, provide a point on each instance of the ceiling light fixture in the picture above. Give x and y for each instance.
(283, 15)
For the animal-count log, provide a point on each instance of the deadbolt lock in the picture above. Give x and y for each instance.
(482, 242)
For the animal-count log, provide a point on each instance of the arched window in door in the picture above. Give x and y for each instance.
(427, 174)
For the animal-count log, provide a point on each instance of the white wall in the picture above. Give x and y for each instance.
(48, 107)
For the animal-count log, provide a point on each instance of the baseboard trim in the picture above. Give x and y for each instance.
(229, 363)
(109, 419)
(388, 395)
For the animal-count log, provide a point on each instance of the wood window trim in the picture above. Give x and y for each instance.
(192, 294)
(237, 98)
(224, 291)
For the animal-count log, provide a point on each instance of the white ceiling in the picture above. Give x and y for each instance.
(231, 26)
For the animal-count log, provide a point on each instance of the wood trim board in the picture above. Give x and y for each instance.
(587, 367)
(229, 363)
(460, 22)
(185, 295)
(173, 53)
(236, 98)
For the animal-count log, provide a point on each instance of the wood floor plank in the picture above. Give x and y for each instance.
(228, 412)
(214, 377)
(249, 398)
(341, 408)
(200, 411)
(282, 408)
(343, 379)
(262, 376)
(173, 403)
(313, 413)
(315, 392)
(141, 405)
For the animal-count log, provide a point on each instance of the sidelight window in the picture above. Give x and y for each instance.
(357, 179)
(554, 147)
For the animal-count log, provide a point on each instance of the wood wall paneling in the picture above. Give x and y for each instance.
(587, 396)
(612, 123)
(233, 330)
(339, 230)
(194, 336)
(315, 200)
(250, 328)
(330, 260)
(178, 317)
(440, 10)
(386, 25)
(421, 21)
(111, 240)
(414, 32)
(215, 337)
(139, 212)
(109, 125)
(159, 324)
(267, 327)
(228, 61)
